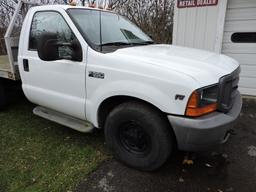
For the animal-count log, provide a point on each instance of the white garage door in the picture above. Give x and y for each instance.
(239, 40)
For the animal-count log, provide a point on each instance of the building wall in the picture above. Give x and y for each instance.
(241, 17)
(200, 27)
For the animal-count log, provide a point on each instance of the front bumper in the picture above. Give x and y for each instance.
(196, 134)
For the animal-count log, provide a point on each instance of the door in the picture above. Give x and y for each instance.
(58, 85)
(239, 41)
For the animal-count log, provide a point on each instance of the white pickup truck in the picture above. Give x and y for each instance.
(89, 68)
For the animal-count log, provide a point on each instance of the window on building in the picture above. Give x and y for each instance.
(244, 37)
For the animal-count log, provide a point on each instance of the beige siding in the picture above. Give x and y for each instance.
(196, 27)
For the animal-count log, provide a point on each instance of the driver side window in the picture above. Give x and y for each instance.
(53, 22)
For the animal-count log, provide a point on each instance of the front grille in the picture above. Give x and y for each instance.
(227, 90)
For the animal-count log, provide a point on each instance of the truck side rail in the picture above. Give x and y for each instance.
(11, 43)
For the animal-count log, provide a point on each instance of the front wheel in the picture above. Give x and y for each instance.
(139, 136)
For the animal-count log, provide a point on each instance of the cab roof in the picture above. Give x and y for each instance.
(65, 7)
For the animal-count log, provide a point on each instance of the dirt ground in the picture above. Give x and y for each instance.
(227, 168)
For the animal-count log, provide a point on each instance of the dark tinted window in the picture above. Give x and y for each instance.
(248, 37)
(51, 22)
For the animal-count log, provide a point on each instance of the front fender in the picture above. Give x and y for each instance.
(151, 94)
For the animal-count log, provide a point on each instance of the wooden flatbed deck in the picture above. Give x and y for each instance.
(5, 69)
(4, 63)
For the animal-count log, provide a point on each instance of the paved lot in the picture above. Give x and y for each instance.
(230, 167)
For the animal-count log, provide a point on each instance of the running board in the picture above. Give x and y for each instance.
(60, 118)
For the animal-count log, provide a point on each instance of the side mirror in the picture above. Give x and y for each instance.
(47, 47)
(77, 53)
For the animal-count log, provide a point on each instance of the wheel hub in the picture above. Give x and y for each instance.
(134, 138)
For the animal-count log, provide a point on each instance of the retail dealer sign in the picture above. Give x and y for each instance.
(196, 3)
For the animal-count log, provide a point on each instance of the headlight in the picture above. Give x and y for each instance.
(202, 101)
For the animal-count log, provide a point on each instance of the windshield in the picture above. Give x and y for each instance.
(101, 28)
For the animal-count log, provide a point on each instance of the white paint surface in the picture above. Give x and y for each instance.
(153, 73)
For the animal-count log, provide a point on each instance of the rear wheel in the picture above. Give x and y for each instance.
(3, 97)
(139, 135)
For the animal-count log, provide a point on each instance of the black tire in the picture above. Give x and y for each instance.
(3, 97)
(139, 135)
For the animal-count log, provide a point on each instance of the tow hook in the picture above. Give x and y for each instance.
(228, 133)
(232, 132)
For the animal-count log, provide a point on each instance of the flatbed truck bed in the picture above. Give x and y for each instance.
(4, 63)
(5, 68)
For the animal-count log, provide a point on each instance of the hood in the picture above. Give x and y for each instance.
(203, 66)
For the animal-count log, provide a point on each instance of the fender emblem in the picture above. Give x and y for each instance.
(179, 97)
(97, 75)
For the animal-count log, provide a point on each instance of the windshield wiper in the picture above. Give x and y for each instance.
(126, 43)
(144, 43)
(116, 44)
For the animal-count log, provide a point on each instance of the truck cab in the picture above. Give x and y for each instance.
(90, 68)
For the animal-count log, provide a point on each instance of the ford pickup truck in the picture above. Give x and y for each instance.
(88, 68)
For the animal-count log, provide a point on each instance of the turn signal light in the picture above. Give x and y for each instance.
(195, 110)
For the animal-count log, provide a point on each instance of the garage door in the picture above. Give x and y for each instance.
(239, 40)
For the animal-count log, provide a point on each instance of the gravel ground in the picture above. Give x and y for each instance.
(227, 168)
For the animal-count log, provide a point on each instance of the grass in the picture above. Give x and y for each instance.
(37, 155)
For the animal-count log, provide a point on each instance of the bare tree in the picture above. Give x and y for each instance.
(155, 17)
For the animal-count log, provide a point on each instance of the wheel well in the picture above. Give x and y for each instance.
(110, 103)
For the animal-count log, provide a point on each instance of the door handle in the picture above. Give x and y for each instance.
(25, 65)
